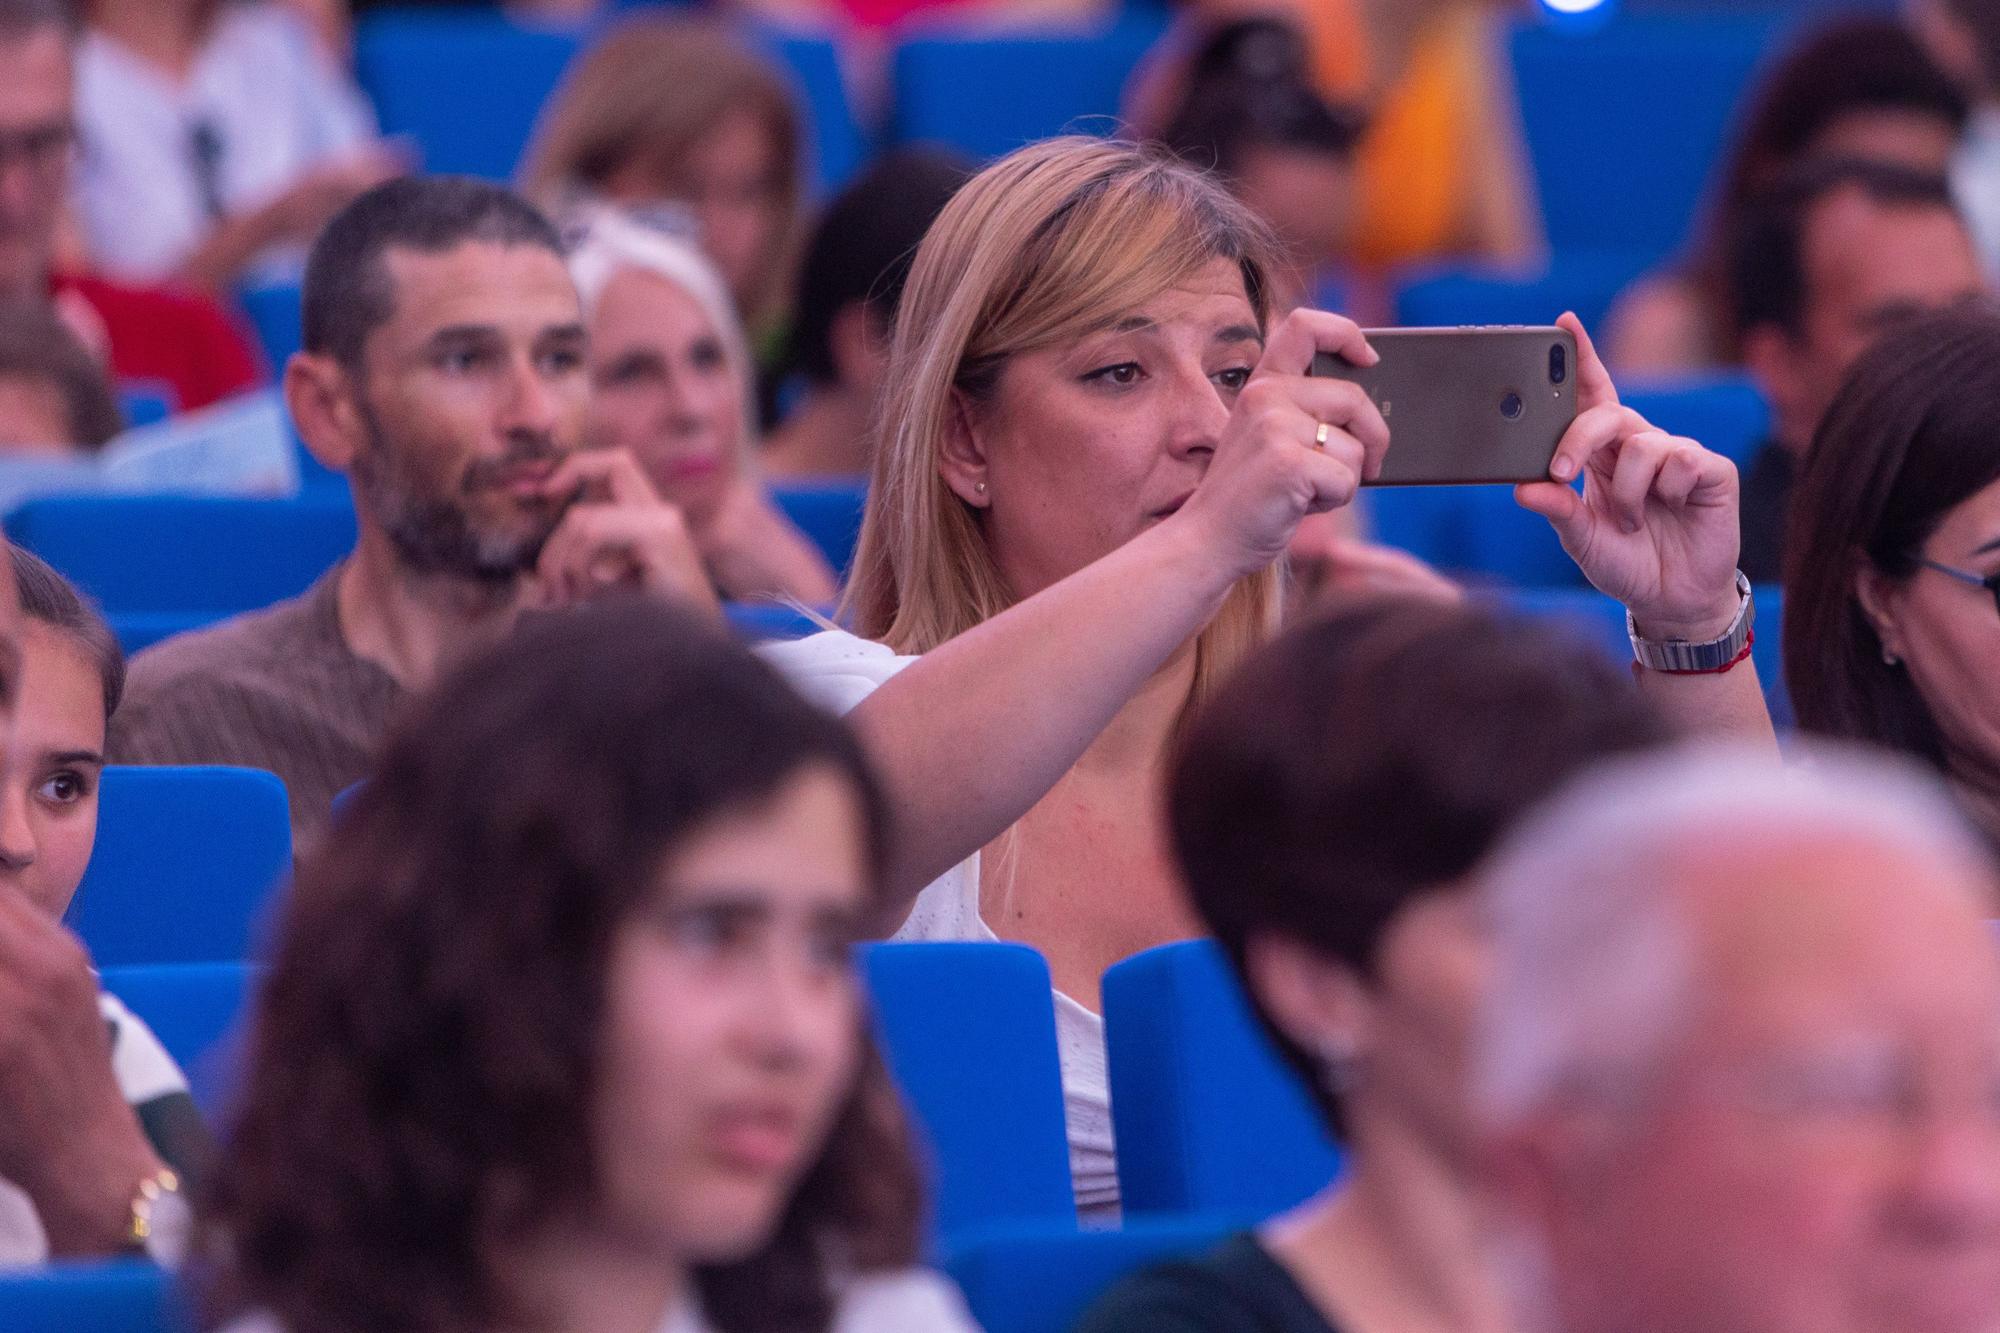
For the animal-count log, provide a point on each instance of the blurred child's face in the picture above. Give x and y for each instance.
(733, 1025)
(50, 768)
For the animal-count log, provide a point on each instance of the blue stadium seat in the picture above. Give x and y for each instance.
(465, 84)
(1208, 1117)
(194, 1009)
(969, 1032)
(145, 402)
(468, 85)
(828, 512)
(273, 312)
(1600, 621)
(1040, 1280)
(186, 861)
(1725, 412)
(839, 144)
(986, 95)
(1623, 124)
(1586, 282)
(186, 554)
(760, 622)
(123, 1296)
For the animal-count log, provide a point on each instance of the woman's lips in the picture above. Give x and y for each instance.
(759, 1139)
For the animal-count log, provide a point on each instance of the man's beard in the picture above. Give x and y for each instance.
(435, 534)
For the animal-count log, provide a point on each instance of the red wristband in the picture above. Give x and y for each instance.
(1749, 641)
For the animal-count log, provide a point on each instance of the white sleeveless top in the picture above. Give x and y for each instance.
(837, 670)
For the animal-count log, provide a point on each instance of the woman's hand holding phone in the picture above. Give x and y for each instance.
(1656, 525)
(1293, 445)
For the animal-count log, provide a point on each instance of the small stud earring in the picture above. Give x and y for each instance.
(979, 486)
(1890, 659)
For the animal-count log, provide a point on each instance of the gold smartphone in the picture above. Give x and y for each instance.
(1467, 405)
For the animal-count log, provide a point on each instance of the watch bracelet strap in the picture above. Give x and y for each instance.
(1679, 657)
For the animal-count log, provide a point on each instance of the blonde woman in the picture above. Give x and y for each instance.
(1094, 451)
(673, 110)
(671, 385)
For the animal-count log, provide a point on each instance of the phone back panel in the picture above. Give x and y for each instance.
(1450, 397)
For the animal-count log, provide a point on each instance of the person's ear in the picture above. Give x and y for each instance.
(1771, 356)
(324, 401)
(1319, 1003)
(962, 461)
(1881, 600)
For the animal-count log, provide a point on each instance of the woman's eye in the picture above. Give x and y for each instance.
(1124, 373)
(1233, 379)
(65, 788)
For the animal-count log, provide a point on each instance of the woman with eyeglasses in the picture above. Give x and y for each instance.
(1892, 587)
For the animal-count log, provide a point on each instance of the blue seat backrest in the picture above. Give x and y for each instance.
(1623, 124)
(1586, 282)
(828, 512)
(760, 622)
(969, 1032)
(466, 85)
(1208, 1117)
(1600, 621)
(187, 554)
(123, 1296)
(196, 1010)
(187, 860)
(1042, 1280)
(1726, 413)
(987, 95)
(273, 310)
(146, 402)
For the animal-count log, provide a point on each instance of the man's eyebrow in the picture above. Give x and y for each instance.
(572, 332)
(463, 333)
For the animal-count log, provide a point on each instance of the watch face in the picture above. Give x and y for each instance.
(170, 1229)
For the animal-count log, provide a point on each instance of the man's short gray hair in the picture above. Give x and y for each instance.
(1593, 957)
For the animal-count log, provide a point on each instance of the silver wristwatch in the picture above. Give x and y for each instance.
(1681, 656)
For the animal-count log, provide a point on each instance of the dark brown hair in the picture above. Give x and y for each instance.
(37, 346)
(1910, 436)
(1844, 67)
(423, 1061)
(53, 600)
(1374, 755)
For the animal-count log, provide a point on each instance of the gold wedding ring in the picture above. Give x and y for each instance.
(1319, 436)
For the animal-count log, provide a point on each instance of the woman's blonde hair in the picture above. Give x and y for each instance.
(1051, 243)
(605, 242)
(653, 89)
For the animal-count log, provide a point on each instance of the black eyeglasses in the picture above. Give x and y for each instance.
(1990, 582)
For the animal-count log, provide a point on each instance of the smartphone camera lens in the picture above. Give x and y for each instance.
(1558, 364)
(1511, 406)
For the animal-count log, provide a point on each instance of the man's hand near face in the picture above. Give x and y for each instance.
(67, 1137)
(617, 535)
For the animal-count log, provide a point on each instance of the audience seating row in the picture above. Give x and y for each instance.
(969, 1032)
(231, 555)
(467, 86)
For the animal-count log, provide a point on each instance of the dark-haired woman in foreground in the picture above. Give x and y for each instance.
(1892, 586)
(1329, 808)
(563, 1031)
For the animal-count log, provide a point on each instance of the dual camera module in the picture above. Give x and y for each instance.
(1512, 405)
